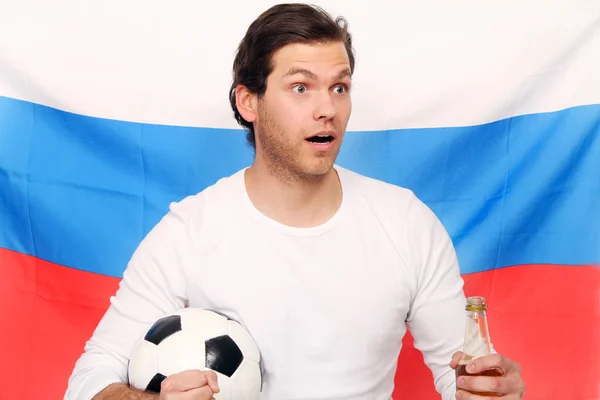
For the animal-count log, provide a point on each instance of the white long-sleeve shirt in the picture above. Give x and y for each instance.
(328, 306)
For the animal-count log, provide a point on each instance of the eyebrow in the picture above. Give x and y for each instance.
(311, 75)
(344, 73)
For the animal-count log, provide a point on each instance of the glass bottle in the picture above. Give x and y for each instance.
(477, 338)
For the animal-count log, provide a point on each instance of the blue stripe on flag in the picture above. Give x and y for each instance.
(82, 191)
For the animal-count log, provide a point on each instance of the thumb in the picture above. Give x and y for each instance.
(211, 380)
(455, 358)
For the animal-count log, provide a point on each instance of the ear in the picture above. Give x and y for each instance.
(246, 103)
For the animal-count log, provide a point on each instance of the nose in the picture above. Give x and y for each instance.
(324, 107)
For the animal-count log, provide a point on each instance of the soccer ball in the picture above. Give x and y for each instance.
(196, 338)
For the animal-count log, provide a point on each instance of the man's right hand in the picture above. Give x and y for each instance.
(190, 385)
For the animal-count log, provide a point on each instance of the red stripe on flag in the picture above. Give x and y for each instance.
(47, 313)
(544, 316)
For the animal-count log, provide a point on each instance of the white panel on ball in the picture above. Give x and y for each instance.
(246, 382)
(245, 341)
(179, 352)
(209, 323)
(145, 367)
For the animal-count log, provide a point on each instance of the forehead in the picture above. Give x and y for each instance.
(320, 58)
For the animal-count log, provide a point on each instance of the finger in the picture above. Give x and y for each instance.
(484, 384)
(212, 380)
(455, 359)
(186, 380)
(201, 393)
(489, 362)
(464, 395)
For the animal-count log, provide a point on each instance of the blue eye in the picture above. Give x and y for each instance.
(300, 88)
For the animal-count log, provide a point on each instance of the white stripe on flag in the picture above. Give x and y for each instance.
(419, 64)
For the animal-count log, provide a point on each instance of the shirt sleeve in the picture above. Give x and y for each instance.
(436, 316)
(153, 285)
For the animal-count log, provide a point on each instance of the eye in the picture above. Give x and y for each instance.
(340, 89)
(300, 89)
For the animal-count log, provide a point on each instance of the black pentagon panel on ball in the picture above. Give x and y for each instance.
(155, 382)
(223, 355)
(163, 328)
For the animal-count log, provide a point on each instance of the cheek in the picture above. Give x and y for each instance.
(285, 110)
(293, 116)
(282, 125)
(344, 108)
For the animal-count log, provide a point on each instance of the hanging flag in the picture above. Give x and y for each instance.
(489, 112)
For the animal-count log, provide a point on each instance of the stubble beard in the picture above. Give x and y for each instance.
(283, 159)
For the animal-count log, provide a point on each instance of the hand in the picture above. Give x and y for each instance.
(507, 383)
(190, 385)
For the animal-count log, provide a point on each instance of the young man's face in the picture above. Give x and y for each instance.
(308, 94)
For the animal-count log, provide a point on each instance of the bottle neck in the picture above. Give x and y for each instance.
(477, 338)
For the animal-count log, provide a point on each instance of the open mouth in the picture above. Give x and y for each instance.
(324, 139)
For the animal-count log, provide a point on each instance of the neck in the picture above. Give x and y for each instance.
(293, 200)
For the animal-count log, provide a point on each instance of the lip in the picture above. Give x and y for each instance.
(322, 147)
(333, 134)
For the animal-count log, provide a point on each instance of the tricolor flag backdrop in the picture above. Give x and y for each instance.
(488, 111)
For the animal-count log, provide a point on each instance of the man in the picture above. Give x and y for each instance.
(325, 267)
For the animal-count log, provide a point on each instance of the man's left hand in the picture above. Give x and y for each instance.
(508, 384)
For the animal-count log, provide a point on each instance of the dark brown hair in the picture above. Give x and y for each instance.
(275, 28)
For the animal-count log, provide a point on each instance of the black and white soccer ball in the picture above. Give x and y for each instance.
(196, 338)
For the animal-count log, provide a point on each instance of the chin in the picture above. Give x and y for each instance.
(318, 167)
